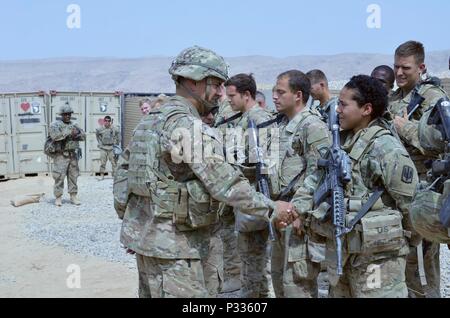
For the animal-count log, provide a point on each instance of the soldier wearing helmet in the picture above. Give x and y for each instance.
(170, 181)
(66, 136)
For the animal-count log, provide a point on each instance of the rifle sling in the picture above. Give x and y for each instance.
(366, 207)
(225, 121)
(289, 187)
(268, 123)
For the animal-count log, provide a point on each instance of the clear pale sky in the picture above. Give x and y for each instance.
(31, 29)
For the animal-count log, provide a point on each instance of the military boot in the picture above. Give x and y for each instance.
(74, 199)
(58, 201)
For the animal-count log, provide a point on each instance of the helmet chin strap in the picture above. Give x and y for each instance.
(207, 106)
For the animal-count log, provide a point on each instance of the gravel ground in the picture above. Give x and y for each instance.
(94, 229)
(90, 229)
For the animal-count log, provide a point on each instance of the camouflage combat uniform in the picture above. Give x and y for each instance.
(303, 140)
(409, 136)
(253, 245)
(323, 109)
(107, 138)
(432, 194)
(168, 217)
(65, 161)
(231, 259)
(373, 261)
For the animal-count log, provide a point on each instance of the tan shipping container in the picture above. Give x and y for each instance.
(77, 101)
(99, 105)
(29, 131)
(6, 153)
(131, 113)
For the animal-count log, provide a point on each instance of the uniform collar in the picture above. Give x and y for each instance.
(186, 102)
(293, 123)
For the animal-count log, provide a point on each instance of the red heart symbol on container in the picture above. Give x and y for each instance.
(25, 106)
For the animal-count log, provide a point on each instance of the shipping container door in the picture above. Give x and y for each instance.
(78, 103)
(99, 105)
(132, 114)
(29, 131)
(6, 158)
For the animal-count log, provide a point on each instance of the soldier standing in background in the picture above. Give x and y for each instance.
(321, 92)
(107, 138)
(253, 234)
(304, 138)
(261, 99)
(385, 74)
(66, 137)
(407, 106)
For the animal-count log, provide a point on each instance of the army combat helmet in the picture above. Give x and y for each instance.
(65, 109)
(197, 63)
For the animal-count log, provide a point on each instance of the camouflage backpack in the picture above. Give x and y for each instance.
(426, 213)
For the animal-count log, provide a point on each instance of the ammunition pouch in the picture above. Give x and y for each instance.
(377, 232)
(188, 204)
(380, 230)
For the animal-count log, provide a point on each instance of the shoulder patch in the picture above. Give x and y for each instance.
(407, 174)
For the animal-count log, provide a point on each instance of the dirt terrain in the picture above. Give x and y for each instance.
(29, 268)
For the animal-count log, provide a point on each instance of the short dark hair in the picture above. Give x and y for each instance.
(243, 83)
(412, 48)
(390, 75)
(298, 81)
(108, 117)
(260, 95)
(369, 90)
(315, 76)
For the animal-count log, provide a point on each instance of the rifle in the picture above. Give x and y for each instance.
(262, 180)
(440, 116)
(337, 168)
(416, 101)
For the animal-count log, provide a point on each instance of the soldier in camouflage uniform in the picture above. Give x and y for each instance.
(107, 138)
(66, 136)
(373, 261)
(385, 74)
(321, 92)
(304, 138)
(409, 65)
(433, 196)
(231, 260)
(170, 197)
(252, 242)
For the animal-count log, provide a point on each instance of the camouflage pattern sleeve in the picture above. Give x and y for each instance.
(430, 137)
(116, 136)
(98, 136)
(392, 166)
(59, 131)
(318, 141)
(303, 197)
(82, 136)
(120, 187)
(410, 132)
(221, 180)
